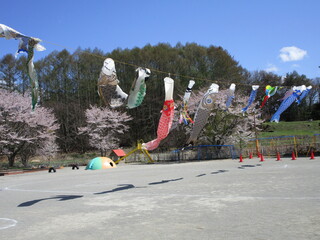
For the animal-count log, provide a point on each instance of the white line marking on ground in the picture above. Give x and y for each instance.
(7, 223)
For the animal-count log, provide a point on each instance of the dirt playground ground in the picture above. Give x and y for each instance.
(220, 199)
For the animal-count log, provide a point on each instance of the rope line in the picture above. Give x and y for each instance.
(159, 71)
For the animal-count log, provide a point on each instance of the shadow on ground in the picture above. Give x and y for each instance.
(60, 197)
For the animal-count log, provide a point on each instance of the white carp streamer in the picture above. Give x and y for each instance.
(184, 116)
(28, 45)
(108, 87)
(166, 118)
(112, 94)
(138, 89)
(9, 33)
(230, 95)
(203, 112)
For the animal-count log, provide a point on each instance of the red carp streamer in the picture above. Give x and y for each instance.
(166, 118)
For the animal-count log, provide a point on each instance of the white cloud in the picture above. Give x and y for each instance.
(271, 68)
(293, 53)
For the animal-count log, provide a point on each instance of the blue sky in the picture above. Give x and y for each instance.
(276, 35)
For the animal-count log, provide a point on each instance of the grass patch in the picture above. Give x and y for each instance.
(61, 160)
(298, 128)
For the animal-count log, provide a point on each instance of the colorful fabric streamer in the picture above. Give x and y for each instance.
(303, 95)
(111, 93)
(184, 116)
(270, 91)
(138, 89)
(28, 45)
(286, 95)
(9, 33)
(230, 95)
(203, 112)
(252, 97)
(32, 74)
(166, 118)
(108, 87)
(297, 91)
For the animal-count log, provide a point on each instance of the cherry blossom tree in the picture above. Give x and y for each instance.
(224, 126)
(104, 127)
(23, 131)
(48, 150)
(232, 126)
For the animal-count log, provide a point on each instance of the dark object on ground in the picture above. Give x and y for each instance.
(75, 166)
(52, 169)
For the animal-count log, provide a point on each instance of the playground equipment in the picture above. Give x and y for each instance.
(100, 163)
(138, 148)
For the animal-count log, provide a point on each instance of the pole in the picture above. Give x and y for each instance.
(255, 133)
(295, 145)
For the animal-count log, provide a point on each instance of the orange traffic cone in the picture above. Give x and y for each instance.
(293, 156)
(250, 155)
(278, 156)
(312, 155)
(241, 160)
(261, 157)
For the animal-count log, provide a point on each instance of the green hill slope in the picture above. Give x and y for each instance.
(290, 128)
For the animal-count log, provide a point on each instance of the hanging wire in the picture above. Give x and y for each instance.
(156, 70)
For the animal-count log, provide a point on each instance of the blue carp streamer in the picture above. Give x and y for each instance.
(297, 91)
(303, 95)
(252, 97)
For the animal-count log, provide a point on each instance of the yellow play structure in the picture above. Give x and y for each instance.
(138, 148)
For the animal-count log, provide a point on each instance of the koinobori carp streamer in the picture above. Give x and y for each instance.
(166, 118)
(203, 112)
(27, 45)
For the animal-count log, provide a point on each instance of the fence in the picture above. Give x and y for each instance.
(270, 146)
(196, 153)
(285, 145)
